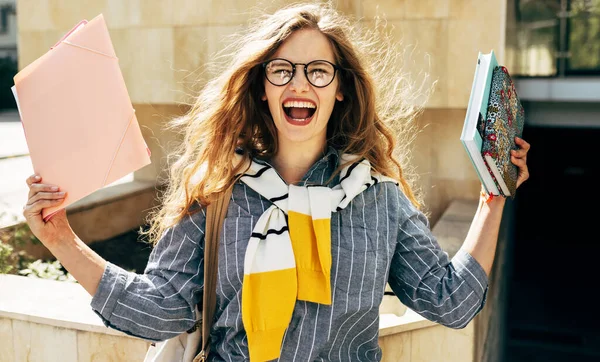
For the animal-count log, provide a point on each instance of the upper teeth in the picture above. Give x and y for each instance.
(298, 104)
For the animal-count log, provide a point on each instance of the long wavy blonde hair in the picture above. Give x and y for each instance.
(378, 109)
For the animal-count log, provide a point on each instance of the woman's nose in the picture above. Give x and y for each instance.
(299, 83)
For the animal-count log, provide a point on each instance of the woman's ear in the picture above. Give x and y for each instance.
(339, 96)
(263, 97)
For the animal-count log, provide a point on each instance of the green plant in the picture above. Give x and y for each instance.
(6, 255)
(15, 238)
(21, 235)
(15, 261)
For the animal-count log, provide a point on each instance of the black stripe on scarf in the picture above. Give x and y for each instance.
(350, 169)
(279, 198)
(375, 181)
(259, 173)
(269, 232)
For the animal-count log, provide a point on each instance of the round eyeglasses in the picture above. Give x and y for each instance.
(319, 73)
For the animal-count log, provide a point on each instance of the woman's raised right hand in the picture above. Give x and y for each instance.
(42, 196)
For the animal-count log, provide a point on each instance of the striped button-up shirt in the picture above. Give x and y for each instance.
(379, 238)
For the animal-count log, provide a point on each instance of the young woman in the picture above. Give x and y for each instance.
(321, 217)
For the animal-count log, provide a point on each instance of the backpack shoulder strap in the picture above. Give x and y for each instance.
(215, 214)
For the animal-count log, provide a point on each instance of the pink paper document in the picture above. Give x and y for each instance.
(79, 121)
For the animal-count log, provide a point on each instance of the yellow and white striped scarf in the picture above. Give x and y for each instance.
(289, 257)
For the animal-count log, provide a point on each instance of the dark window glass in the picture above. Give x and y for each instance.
(536, 37)
(547, 38)
(584, 37)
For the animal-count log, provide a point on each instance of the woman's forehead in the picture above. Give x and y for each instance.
(305, 45)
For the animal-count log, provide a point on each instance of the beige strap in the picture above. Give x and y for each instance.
(215, 214)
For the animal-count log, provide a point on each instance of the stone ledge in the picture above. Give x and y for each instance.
(110, 194)
(391, 324)
(49, 302)
(452, 228)
(112, 211)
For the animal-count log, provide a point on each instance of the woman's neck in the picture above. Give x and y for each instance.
(292, 161)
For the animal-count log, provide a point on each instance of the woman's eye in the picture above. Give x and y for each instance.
(281, 72)
(318, 75)
(318, 72)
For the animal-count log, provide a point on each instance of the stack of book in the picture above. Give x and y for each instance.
(494, 118)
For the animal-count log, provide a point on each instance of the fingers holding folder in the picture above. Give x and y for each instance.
(79, 122)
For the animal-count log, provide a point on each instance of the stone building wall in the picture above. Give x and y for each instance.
(163, 46)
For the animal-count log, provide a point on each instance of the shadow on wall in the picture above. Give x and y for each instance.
(128, 250)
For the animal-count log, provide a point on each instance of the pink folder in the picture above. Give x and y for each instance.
(79, 122)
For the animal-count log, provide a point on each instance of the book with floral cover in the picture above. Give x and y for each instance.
(504, 121)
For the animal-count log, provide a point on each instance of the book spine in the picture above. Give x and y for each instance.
(476, 169)
(485, 176)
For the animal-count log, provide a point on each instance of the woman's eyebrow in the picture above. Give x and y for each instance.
(305, 62)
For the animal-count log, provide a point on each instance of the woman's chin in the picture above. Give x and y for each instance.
(300, 135)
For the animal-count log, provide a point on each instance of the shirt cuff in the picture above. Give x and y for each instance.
(471, 271)
(112, 285)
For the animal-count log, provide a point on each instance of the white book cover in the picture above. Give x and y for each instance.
(477, 108)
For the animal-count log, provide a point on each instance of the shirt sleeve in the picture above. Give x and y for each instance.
(160, 303)
(449, 292)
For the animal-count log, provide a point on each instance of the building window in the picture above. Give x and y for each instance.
(583, 42)
(555, 38)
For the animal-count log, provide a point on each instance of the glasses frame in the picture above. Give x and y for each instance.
(335, 69)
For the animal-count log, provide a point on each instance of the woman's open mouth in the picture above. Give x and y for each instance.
(299, 112)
